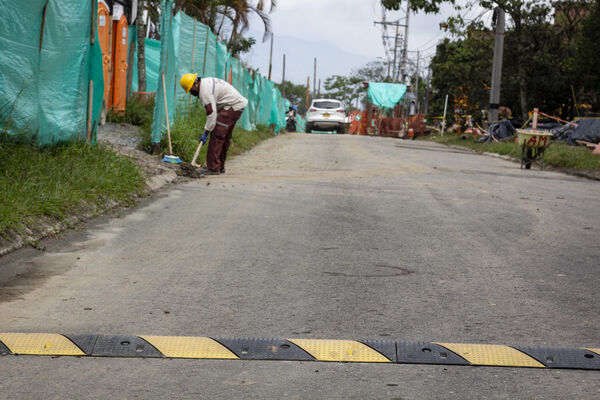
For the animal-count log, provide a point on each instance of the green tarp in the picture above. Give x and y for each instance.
(152, 56)
(385, 95)
(45, 76)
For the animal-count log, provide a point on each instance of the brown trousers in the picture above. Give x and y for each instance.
(220, 139)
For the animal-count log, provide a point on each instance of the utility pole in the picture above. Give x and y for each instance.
(417, 83)
(395, 47)
(319, 92)
(271, 57)
(428, 91)
(497, 66)
(307, 92)
(283, 75)
(405, 50)
(395, 37)
(283, 78)
(315, 80)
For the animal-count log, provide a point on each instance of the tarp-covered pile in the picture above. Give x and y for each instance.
(385, 95)
(587, 130)
(500, 131)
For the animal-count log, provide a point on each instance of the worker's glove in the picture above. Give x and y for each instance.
(204, 137)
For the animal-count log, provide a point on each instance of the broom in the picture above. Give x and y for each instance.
(170, 158)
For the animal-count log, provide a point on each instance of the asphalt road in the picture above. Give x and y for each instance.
(322, 236)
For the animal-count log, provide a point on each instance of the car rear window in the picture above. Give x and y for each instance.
(326, 104)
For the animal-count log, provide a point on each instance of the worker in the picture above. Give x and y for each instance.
(224, 106)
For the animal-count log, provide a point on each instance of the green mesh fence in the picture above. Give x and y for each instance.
(47, 60)
(45, 76)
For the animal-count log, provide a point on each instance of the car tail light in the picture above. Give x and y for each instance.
(313, 110)
(340, 110)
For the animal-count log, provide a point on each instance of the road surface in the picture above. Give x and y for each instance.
(325, 237)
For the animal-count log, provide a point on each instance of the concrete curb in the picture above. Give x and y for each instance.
(46, 227)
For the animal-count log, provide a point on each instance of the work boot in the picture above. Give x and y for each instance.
(207, 171)
(223, 170)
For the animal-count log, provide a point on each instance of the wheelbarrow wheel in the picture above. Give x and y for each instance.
(528, 157)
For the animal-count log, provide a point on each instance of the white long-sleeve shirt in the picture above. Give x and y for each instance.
(216, 94)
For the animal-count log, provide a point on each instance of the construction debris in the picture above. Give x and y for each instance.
(188, 170)
(498, 132)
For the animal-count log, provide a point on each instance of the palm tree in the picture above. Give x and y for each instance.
(236, 12)
(242, 10)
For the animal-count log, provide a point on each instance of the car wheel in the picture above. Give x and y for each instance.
(341, 129)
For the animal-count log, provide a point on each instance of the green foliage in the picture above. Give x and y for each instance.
(587, 58)
(139, 111)
(429, 6)
(462, 69)
(58, 181)
(343, 88)
(240, 45)
(296, 94)
(545, 60)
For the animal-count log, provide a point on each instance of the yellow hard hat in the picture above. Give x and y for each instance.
(187, 81)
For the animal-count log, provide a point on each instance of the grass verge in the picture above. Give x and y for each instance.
(558, 155)
(60, 181)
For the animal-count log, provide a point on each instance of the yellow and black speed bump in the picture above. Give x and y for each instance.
(364, 351)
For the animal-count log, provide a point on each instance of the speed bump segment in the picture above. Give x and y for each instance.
(352, 351)
(492, 355)
(339, 350)
(189, 347)
(42, 344)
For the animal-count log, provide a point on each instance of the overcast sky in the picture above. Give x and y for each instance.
(347, 24)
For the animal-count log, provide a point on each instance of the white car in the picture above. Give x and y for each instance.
(326, 115)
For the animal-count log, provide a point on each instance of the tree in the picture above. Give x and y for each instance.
(296, 94)
(538, 69)
(429, 6)
(141, 61)
(344, 88)
(462, 69)
(587, 58)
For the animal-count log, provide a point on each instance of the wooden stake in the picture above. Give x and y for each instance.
(43, 24)
(167, 112)
(88, 135)
(271, 57)
(193, 62)
(94, 16)
(205, 50)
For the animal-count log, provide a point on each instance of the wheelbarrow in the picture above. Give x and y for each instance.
(533, 144)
